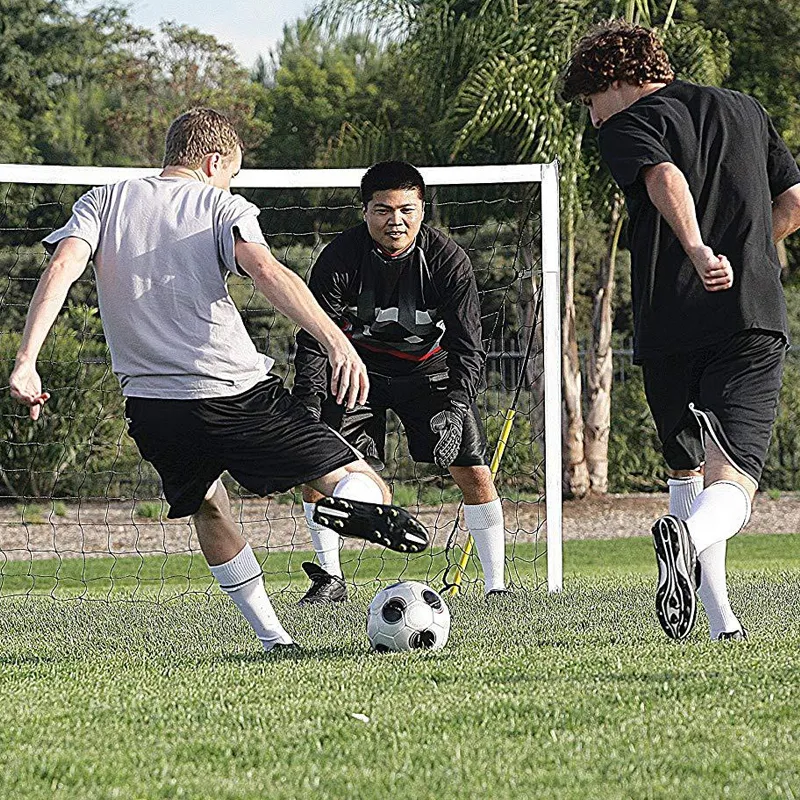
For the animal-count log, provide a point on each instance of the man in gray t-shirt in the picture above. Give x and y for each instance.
(171, 326)
(200, 399)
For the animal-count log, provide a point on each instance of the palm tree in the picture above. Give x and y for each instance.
(483, 76)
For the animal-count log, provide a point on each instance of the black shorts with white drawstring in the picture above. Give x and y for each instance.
(728, 391)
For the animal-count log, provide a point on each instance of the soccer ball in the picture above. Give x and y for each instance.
(408, 616)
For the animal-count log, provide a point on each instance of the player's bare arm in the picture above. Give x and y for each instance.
(290, 295)
(65, 267)
(669, 193)
(786, 213)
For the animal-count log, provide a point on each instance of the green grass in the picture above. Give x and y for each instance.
(150, 510)
(577, 695)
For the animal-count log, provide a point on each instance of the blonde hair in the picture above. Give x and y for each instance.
(197, 133)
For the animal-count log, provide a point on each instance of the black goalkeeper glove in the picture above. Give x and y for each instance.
(449, 424)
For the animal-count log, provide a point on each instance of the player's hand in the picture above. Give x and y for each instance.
(349, 379)
(26, 387)
(449, 424)
(714, 270)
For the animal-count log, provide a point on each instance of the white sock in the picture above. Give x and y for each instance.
(242, 580)
(485, 524)
(720, 511)
(354, 486)
(325, 541)
(682, 493)
(713, 588)
(359, 486)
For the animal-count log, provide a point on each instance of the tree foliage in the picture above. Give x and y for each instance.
(432, 81)
(316, 84)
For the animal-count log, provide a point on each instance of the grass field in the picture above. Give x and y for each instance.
(577, 695)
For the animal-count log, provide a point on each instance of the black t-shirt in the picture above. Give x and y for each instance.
(417, 312)
(735, 164)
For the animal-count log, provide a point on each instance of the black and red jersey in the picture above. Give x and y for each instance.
(418, 311)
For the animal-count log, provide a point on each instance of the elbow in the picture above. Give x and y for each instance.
(786, 212)
(265, 270)
(657, 175)
(796, 210)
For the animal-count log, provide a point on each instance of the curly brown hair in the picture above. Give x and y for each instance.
(616, 51)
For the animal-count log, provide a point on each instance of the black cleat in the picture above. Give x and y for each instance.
(290, 650)
(391, 526)
(325, 588)
(733, 636)
(676, 603)
(500, 593)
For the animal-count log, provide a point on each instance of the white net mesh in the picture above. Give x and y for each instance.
(82, 515)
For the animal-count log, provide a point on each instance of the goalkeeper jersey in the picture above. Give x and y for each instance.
(415, 312)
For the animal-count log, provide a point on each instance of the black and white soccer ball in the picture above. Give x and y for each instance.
(408, 616)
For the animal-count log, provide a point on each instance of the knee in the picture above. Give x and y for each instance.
(677, 474)
(363, 468)
(476, 484)
(213, 506)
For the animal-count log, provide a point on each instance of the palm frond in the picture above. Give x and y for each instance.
(380, 19)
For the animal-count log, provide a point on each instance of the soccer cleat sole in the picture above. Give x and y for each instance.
(676, 602)
(389, 526)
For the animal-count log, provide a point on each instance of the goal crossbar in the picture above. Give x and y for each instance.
(545, 174)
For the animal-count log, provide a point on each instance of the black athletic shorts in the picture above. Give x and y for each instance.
(263, 437)
(415, 399)
(728, 391)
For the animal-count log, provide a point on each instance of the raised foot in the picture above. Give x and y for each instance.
(390, 526)
(676, 603)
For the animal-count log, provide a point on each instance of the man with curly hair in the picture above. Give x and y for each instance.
(710, 189)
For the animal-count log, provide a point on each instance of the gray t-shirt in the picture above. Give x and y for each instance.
(162, 250)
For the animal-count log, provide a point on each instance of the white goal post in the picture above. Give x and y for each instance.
(544, 174)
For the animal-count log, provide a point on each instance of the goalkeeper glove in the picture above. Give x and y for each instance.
(449, 424)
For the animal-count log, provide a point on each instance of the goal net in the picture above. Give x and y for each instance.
(81, 515)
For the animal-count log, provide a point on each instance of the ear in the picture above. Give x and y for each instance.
(208, 165)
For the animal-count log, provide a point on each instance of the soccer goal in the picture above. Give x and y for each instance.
(82, 515)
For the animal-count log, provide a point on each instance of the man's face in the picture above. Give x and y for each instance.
(394, 218)
(603, 105)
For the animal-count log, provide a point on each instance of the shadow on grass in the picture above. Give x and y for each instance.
(301, 653)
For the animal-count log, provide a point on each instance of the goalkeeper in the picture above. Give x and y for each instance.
(405, 295)
(199, 398)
